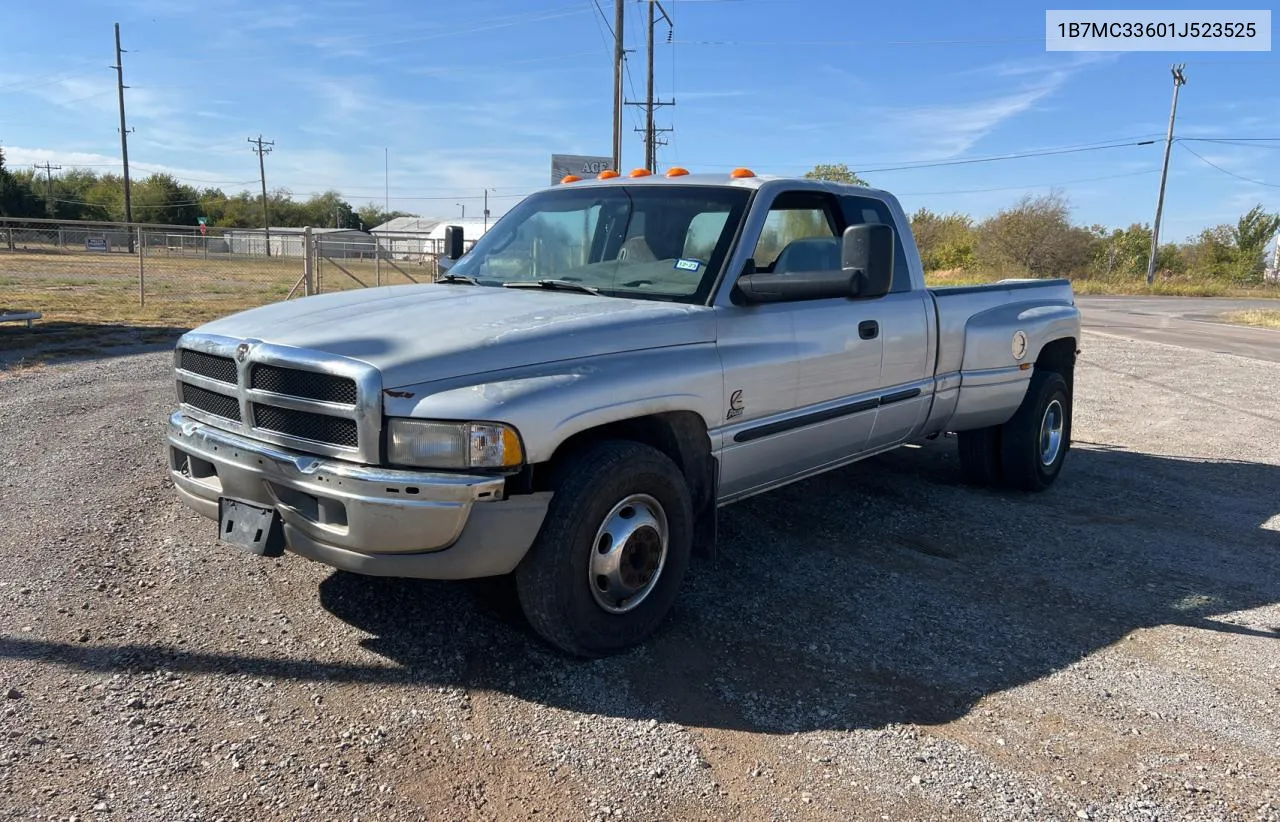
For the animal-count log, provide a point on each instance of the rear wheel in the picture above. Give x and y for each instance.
(1035, 441)
(607, 565)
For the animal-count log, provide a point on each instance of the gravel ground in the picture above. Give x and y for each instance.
(878, 643)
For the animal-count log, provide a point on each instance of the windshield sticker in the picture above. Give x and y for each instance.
(688, 265)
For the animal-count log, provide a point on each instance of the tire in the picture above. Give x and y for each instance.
(561, 590)
(979, 451)
(1030, 459)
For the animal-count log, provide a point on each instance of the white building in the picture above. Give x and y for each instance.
(335, 243)
(414, 238)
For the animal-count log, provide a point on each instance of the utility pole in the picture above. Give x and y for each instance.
(1178, 82)
(124, 136)
(651, 141)
(262, 148)
(619, 65)
(386, 180)
(48, 184)
(486, 207)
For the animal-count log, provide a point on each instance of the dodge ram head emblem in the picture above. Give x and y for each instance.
(735, 405)
(242, 352)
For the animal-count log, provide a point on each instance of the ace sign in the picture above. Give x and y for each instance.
(581, 165)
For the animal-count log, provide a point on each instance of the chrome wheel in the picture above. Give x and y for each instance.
(628, 554)
(1051, 432)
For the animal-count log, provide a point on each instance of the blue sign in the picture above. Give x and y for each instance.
(97, 244)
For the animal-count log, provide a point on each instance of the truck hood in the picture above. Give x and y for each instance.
(428, 332)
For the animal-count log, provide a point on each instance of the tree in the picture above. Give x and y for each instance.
(371, 215)
(1034, 238)
(945, 241)
(159, 198)
(16, 197)
(836, 173)
(1251, 235)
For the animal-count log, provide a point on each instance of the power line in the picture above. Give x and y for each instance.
(262, 148)
(674, 75)
(1244, 142)
(651, 140)
(1230, 173)
(810, 43)
(599, 10)
(1032, 185)
(1140, 139)
(1004, 157)
(48, 183)
(1179, 80)
(124, 135)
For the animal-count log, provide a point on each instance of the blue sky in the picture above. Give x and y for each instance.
(475, 95)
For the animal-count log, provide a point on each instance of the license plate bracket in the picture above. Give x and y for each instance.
(250, 527)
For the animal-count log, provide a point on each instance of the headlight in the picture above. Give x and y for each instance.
(453, 444)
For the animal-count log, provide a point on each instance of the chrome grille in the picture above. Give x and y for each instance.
(210, 401)
(309, 384)
(310, 401)
(306, 425)
(222, 369)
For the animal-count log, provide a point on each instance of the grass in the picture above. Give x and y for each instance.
(1163, 287)
(1262, 318)
(180, 291)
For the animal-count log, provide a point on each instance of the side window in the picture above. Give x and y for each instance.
(861, 210)
(801, 233)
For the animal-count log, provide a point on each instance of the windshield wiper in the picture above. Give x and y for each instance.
(567, 285)
(458, 278)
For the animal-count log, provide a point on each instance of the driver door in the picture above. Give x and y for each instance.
(801, 379)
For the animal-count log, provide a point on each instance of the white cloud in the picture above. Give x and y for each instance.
(947, 130)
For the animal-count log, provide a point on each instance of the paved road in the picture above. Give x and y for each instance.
(1192, 322)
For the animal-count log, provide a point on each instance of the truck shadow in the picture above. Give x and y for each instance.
(64, 341)
(883, 593)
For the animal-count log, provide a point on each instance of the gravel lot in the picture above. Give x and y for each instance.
(878, 643)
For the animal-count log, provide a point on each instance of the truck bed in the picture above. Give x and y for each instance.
(958, 305)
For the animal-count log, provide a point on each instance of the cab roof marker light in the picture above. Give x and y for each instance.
(570, 178)
(607, 174)
(739, 173)
(640, 172)
(677, 171)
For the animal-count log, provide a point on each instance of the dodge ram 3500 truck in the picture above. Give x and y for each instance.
(613, 361)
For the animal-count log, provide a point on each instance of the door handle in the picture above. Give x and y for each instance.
(868, 329)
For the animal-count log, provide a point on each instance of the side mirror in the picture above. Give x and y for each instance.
(866, 257)
(453, 241)
(865, 273)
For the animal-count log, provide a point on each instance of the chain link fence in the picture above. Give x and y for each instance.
(180, 276)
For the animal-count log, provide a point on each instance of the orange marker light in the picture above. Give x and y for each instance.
(607, 174)
(640, 172)
(570, 178)
(742, 172)
(677, 172)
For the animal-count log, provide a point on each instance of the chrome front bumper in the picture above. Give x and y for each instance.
(359, 518)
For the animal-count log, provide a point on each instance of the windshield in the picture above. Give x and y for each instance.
(662, 242)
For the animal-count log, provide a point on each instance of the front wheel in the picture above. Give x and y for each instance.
(607, 565)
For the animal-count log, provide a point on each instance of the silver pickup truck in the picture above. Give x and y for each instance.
(613, 361)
